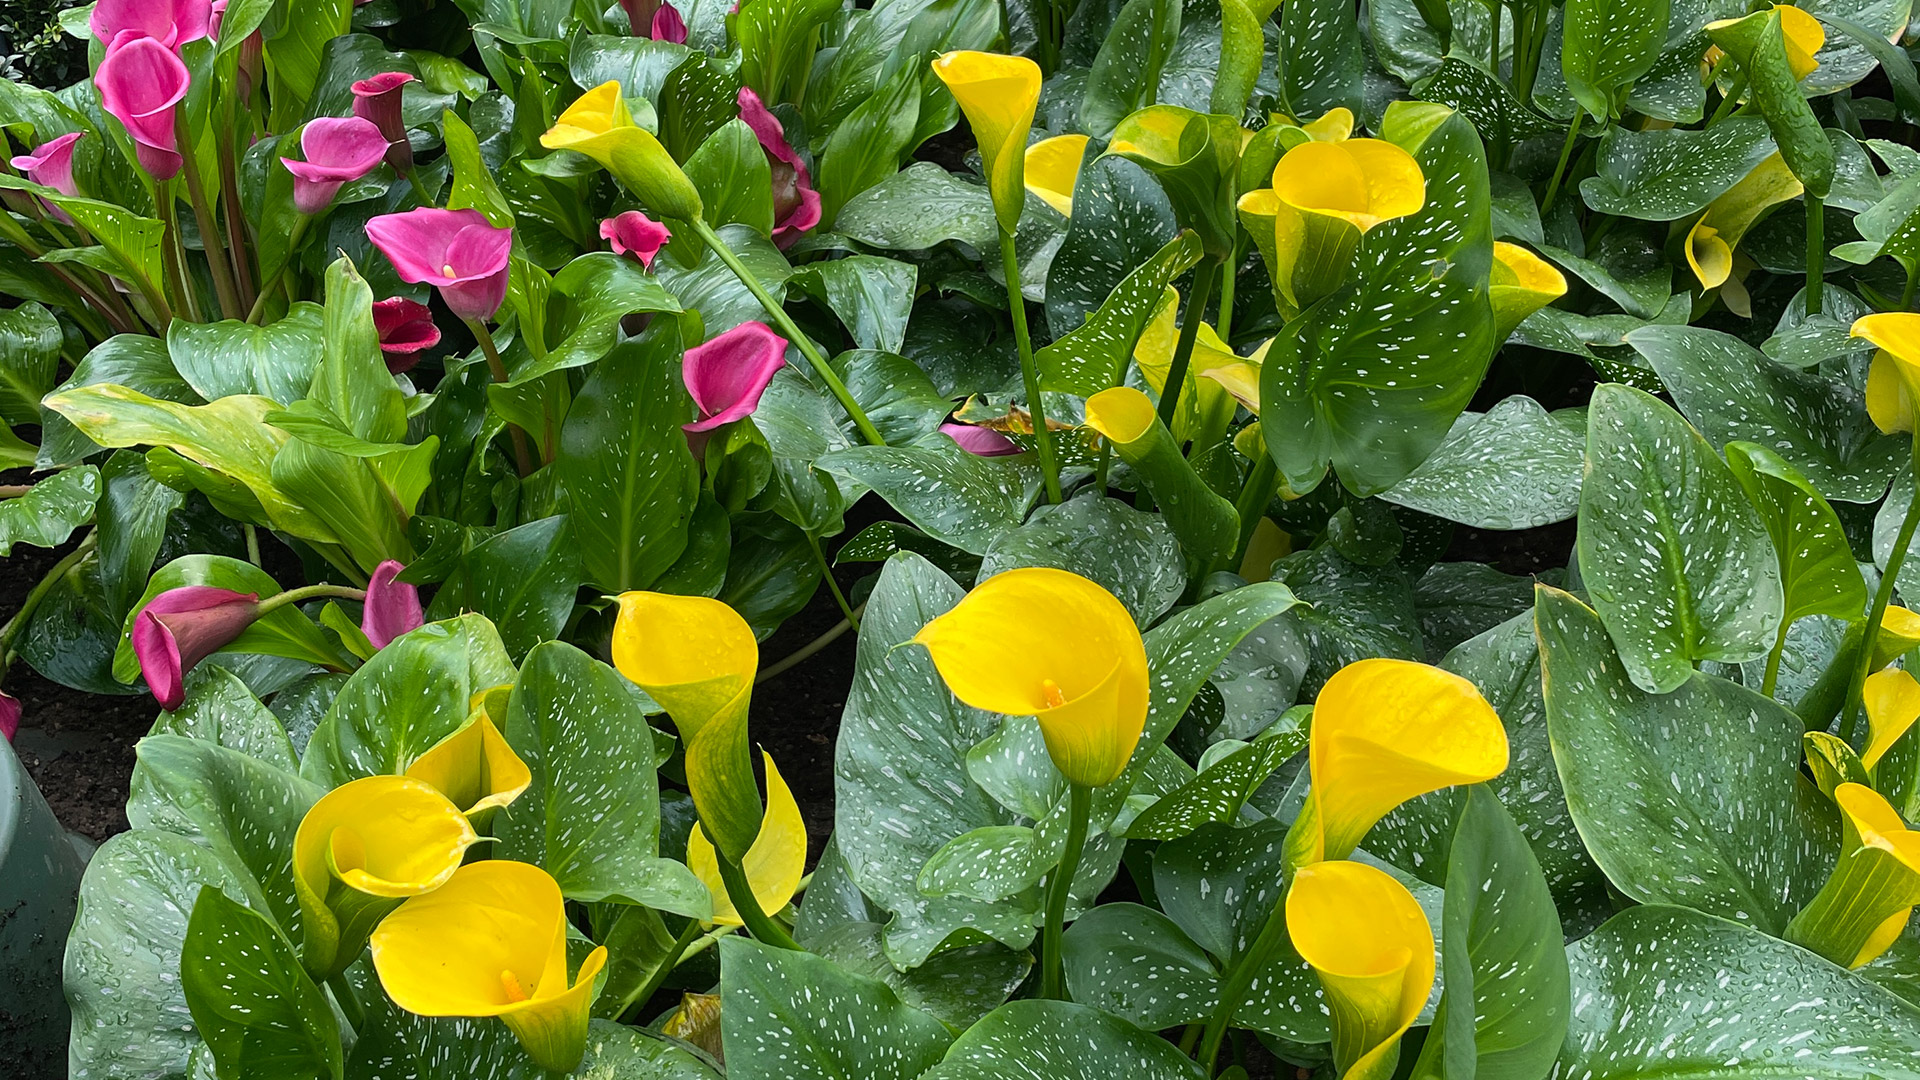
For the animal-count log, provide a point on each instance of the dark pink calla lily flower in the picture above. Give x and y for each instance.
(668, 25)
(171, 23)
(406, 330)
(634, 233)
(640, 15)
(980, 441)
(796, 206)
(455, 251)
(392, 607)
(181, 627)
(727, 375)
(9, 715)
(338, 150)
(140, 82)
(378, 99)
(52, 166)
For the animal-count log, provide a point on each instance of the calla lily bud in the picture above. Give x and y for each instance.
(406, 330)
(392, 607)
(475, 769)
(181, 627)
(998, 94)
(1053, 168)
(980, 441)
(773, 865)
(634, 233)
(1521, 284)
(139, 83)
(668, 25)
(1205, 523)
(1385, 731)
(599, 126)
(1711, 240)
(52, 166)
(457, 251)
(1055, 646)
(1893, 382)
(640, 15)
(362, 849)
(338, 150)
(1369, 944)
(727, 375)
(1863, 907)
(9, 715)
(796, 205)
(378, 100)
(493, 942)
(1899, 633)
(697, 657)
(1892, 700)
(1804, 37)
(1326, 196)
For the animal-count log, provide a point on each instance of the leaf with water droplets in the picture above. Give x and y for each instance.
(1060, 1041)
(787, 1015)
(1514, 467)
(1668, 173)
(256, 1007)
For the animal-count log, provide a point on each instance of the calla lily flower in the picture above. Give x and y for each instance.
(1205, 523)
(773, 865)
(9, 715)
(52, 166)
(1862, 909)
(1521, 284)
(181, 627)
(1385, 731)
(1055, 646)
(640, 15)
(377, 100)
(493, 942)
(1053, 168)
(697, 657)
(457, 251)
(980, 441)
(1892, 699)
(170, 23)
(1805, 37)
(1711, 241)
(475, 769)
(364, 847)
(1369, 944)
(796, 205)
(1899, 632)
(598, 125)
(634, 233)
(1335, 125)
(1153, 352)
(1893, 380)
(998, 94)
(727, 375)
(338, 150)
(406, 330)
(1325, 196)
(668, 25)
(392, 607)
(139, 83)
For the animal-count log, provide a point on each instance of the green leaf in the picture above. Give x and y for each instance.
(30, 340)
(591, 295)
(1486, 101)
(953, 496)
(1121, 220)
(1607, 45)
(1135, 963)
(1690, 797)
(1322, 58)
(1676, 560)
(352, 380)
(296, 41)
(1757, 44)
(624, 465)
(253, 1003)
(919, 207)
(136, 361)
(277, 361)
(522, 579)
(1092, 357)
(1665, 991)
(958, 986)
(1126, 71)
(713, 290)
(1627, 268)
(1349, 612)
(1061, 1041)
(1190, 645)
(50, 510)
(1516, 466)
(1129, 552)
(1818, 574)
(896, 395)
(619, 1052)
(219, 709)
(731, 173)
(132, 241)
(1665, 174)
(1220, 790)
(787, 1015)
(871, 295)
(1891, 58)
(867, 146)
(696, 99)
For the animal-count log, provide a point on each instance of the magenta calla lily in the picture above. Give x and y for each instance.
(455, 251)
(727, 375)
(796, 205)
(634, 233)
(668, 25)
(52, 166)
(406, 330)
(170, 23)
(640, 15)
(338, 150)
(392, 607)
(378, 100)
(980, 441)
(140, 82)
(9, 715)
(181, 627)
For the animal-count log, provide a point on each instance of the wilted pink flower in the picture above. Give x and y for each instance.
(9, 715)
(378, 99)
(338, 150)
(667, 25)
(980, 441)
(727, 375)
(796, 206)
(455, 251)
(140, 82)
(406, 329)
(170, 23)
(52, 166)
(181, 627)
(392, 607)
(634, 233)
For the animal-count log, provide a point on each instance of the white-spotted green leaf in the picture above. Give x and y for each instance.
(1219, 791)
(258, 1010)
(1608, 44)
(1060, 1041)
(1818, 574)
(50, 510)
(232, 357)
(1514, 467)
(1090, 358)
(221, 710)
(1128, 552)
(1349, 612)
(958, 986)
(1668, 173)
(787, 1015)
(955, 497)
(1133, 962)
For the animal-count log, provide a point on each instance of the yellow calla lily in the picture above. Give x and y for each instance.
(1335, 125)
(492, 942)
(1385, 731)
(1892, 699)
(1369, 944)
(697, 657)
(1893, 381)
(1899, 632)
(1804, 37)
(1154, 351)
(364, 847)
(1711, 240)
(1521, 284)
(599, 125)
(1863, 907)
(1240, 379)
(1360, 181)
(1052, 169)
(775, 862)
(999, 94)
(474, 768)
(1055, 646)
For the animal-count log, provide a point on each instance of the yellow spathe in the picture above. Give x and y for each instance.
(1892, 699)
(1360, 181)
(474, 767)
(1367, 940)
(1711, 240)
(1520, 284)
(1804, 36)
(998, 94)
(1865, 903)
(775, 862)
(598, 125)
(1893, 382)
(1053, 168)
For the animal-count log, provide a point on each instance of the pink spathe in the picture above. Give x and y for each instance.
(727, 375)
(634, 233)
(392, 607)
(170, 23)
(796, 205)
(140, 82)
(181, 627)
(9, 715)
(406, 329)
(980, 441)
(338, 150)
(52, 166)
(378, 99)
(668, 25)
(455, 251)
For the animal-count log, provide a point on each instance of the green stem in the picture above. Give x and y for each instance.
(217, 261)
(740, 892)
(522, 452)
(1906, 294)
(121, 323)
(1079, 809)
(240, 242)
(1196, 313)
(826, 571)
(349, 1004)
(1772, 677)
(1816, 251)
(309, 592)
(12, 630)
(1262, 481)
(1560, 169)
(1881, 598)
(253, 543)
(180, 283)
(1734, 89)
(267, 289)
(781, 319)
(646, 990)
(1029, 369)
(1223, 322)
(810, 648)
(1239, 980)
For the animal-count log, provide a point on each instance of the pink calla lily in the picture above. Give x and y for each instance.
(9, 715)
(338, 150)
(392, 607)
(455, 251)
(640, 15)
(140, 82)
(181, 627)
(727, 375)
(378, 99)
(406, 330)
(668, 25)
(170, 23)
(52, 166)
(634, 233)
(980, 441)
(796, 205)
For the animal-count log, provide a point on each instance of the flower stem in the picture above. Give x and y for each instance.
(267, 289)
(826, 571)
(1262, 481)
(1079, 809)
(1566, 155)
(1239, 980)
(349, 1004)
(1734, 89)
(792, 332)
(1816, 251)
(14, 626)
(522, 453)
(1029, 370)
(800, 655)
(675, 953)
(175, 267)
(309, 592)
(740, 891)
(1203, 281)
(1881, 598)
(1772, 677)
(223, 286)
